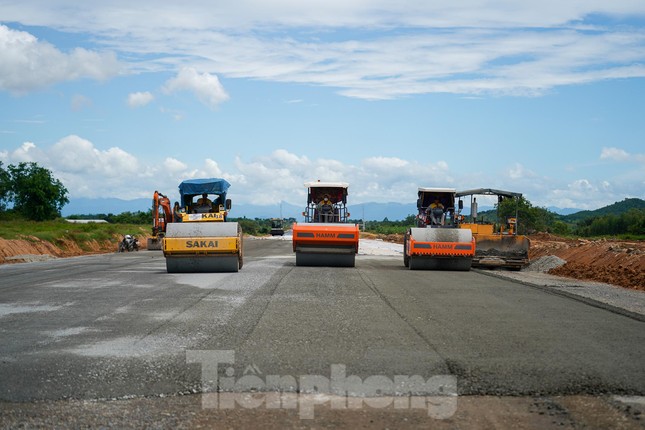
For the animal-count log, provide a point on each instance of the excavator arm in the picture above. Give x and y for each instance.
(161, 215)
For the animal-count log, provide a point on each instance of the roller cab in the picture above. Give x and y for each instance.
(437, 243)
(326, 238)
(200, 239)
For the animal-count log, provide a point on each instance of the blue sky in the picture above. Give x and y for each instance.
(121, 99)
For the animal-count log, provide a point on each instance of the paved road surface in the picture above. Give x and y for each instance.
(119, 327)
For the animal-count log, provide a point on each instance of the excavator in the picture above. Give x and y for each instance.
(161, 215)
(196, 235)
(498, 244)
(326, 238)
(437, 242)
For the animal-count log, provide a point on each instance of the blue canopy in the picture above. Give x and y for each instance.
(193, 187)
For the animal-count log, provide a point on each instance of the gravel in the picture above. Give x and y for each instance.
(546, 263)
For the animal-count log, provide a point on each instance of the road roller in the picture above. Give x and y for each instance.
(326, 237)
(199, 237)
(437, 242)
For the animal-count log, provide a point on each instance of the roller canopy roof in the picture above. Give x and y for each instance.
(192, 187)
(436, 190)
(318, 184)
(488, 192)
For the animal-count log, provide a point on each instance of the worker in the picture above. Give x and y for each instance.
(436, 204)
(203, 200)
(203, 204)
(436, 211)
(325, 209)
(176, 212)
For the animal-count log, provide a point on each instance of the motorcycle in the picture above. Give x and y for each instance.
(129, 243)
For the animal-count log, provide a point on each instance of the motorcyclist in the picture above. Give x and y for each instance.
(129, 243)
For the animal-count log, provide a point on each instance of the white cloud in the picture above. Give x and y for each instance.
(212, 168)
(27, 64)
(582, 194)
(173, 165)
(268, 179)
(385, 163)
(205, 86)
(77, 155)
(244, 15)
(620, 155)
(139, 99)
(79, 102)
(372, 50)
(374, 179)
(28, 152)
(518, 171)
(176, 115)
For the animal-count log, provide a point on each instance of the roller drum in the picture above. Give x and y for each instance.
(441, 235)
(202, 264)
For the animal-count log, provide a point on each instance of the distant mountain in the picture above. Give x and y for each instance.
(563, 211)
(615, 209)
(285, 209)
(85, 206)
(379, 211)
(368, 211)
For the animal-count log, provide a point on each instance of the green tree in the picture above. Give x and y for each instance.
(36, 194)
(531, 219)
(560, 228)
(5, 188)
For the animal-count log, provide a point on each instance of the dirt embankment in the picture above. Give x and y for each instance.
(615, 262)
(32, 248)
(612, 261)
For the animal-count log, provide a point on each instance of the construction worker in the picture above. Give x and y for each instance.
(325, 209)
(436, 204)
(436, 212)
(203, 200)
(203, 205)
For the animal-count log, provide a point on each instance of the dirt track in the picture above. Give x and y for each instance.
(615, 262)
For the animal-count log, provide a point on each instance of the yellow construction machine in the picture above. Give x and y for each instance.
(498, 243)
(437, 242)
(199, 238)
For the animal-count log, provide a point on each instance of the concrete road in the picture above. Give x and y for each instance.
(119, 327)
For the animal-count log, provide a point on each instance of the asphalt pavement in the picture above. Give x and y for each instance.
(118, 327)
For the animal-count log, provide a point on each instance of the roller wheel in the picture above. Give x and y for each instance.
(406, 257)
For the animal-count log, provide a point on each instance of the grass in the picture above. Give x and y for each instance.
(59, 230)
